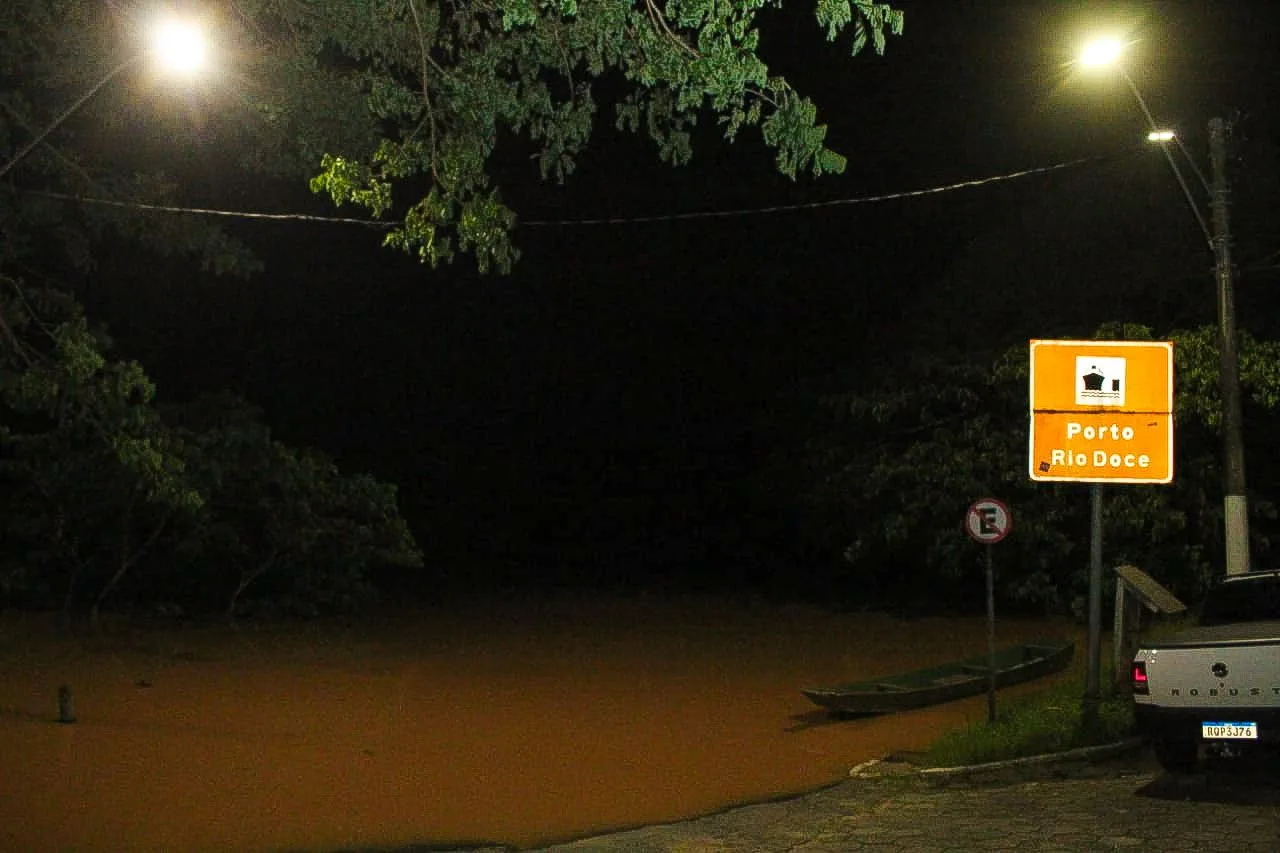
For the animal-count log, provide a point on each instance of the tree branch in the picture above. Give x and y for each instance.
(659, 20)
(426, 61)
(568, 68)
(764, 96)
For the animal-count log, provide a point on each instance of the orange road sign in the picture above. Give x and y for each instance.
(1101, 411)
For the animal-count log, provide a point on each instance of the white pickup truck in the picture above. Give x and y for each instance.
(1216, 685)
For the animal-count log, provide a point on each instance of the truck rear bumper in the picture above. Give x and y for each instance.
(1183, 724)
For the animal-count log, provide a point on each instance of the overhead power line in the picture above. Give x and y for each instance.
(613, 220)
(205, 211)
(814, 205)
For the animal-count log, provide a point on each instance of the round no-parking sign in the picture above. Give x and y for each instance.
(987, 521)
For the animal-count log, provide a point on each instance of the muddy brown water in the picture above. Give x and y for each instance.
(519, 723)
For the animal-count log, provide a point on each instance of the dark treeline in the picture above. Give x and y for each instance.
(799, 405)
(108, 501)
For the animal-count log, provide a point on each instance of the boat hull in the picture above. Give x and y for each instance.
(1014, 665)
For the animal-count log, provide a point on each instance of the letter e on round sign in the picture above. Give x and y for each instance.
(987, 521)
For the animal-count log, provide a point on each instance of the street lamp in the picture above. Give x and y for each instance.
(177, 45)
(1107, 53)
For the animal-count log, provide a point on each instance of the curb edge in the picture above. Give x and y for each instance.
(1085, 753)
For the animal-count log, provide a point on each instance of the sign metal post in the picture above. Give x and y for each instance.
(987, 522)
(1101, 412)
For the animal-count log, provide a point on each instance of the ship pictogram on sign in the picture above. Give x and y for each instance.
(1100, 381)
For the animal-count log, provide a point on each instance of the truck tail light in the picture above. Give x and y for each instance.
(1140, 677)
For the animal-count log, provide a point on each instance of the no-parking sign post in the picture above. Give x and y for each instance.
(987, 522)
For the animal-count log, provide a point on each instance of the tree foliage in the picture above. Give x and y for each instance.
(102, 496)
(283, 528)
(443, 85)
(92, 479)
(888, 474)
(399, 106)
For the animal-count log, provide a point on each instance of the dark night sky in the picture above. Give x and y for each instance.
(606, 396)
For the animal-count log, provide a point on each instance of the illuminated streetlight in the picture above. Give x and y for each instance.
(1235, 502)
(1101, 52)
(179, 47)
(1106, 53)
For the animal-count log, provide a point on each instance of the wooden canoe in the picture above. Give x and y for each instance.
(932, 686)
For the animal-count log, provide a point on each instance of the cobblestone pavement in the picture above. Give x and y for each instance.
(1124, 803)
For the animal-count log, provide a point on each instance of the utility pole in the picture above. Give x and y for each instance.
(1235, 503)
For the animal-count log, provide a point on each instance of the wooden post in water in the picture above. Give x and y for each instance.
(66, 705)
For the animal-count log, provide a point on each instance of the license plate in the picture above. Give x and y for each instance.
(1229, 731)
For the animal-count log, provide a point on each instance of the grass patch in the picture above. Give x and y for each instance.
(1037, 723)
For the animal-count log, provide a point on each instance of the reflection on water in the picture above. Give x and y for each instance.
(514, 723)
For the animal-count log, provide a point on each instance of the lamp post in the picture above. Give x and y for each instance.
(1235, 501)
(1107, 52)
(178, 46)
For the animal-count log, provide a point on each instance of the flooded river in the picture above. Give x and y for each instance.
(519, 722)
